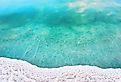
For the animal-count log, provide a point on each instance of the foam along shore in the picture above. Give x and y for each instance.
(13, 70)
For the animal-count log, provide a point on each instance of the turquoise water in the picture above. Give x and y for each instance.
(60, 33)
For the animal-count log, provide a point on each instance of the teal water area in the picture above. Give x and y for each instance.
(62, 33)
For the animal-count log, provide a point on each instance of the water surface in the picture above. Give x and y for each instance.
(54, 33)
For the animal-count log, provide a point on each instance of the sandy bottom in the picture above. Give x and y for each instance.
(12, 70)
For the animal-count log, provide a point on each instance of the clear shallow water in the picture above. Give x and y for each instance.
(59, 33)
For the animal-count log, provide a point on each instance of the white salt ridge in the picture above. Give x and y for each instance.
(12, 70)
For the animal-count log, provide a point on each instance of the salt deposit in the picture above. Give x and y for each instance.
(12, 70)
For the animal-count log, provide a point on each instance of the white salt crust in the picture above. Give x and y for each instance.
(12, 70)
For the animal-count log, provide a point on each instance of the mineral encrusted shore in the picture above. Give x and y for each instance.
(13, 70)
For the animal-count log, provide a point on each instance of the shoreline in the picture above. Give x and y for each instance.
(13, 70)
